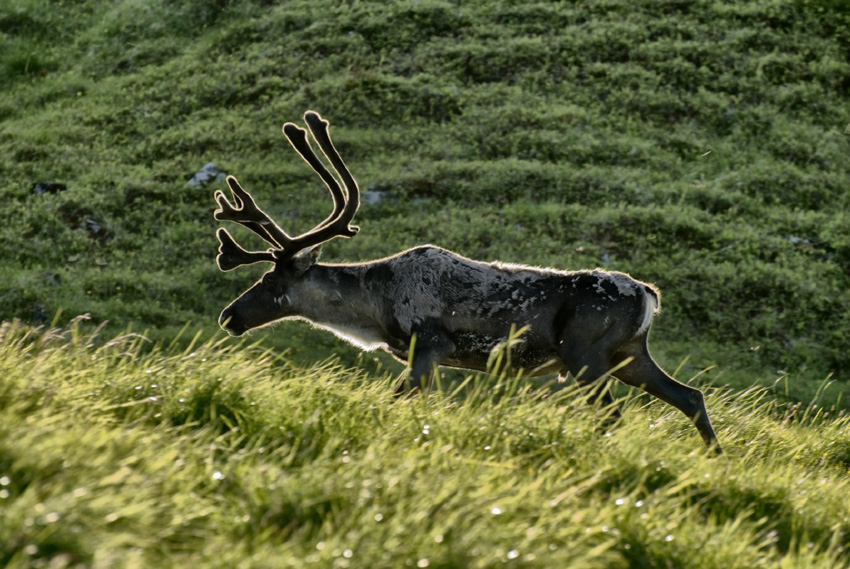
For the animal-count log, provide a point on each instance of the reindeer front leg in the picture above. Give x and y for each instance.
(430, 346)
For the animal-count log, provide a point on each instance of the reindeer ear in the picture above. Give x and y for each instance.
(306, 258)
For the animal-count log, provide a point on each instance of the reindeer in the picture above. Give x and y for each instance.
(449, 310)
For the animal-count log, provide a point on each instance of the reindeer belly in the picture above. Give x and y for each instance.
(478, 351)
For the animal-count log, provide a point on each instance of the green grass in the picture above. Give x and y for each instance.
(226, 456)
(698, 144)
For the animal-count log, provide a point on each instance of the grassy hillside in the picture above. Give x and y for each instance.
(698, 144)
(223, 456)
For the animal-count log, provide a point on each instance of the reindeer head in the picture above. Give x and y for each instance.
(271, 298)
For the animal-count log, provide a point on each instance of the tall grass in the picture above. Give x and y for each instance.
(229, 456)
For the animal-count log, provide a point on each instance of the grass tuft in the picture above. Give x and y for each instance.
(118, 453)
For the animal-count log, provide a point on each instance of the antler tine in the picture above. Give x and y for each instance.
(246, 212)
(231, 255)
(319, 128)
(345, 203)
(297, 137)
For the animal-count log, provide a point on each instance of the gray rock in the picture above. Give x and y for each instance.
(374, 197)
(207, 175)
(40, 188)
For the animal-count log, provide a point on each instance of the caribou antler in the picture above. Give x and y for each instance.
(231, 255)
(345, 203)
(245, 211)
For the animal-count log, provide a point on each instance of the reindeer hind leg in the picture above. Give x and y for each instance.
(643, 372)
(588, 365)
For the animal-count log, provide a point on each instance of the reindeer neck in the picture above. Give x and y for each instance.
(340, 295)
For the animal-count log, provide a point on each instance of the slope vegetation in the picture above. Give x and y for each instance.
(212, 455)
